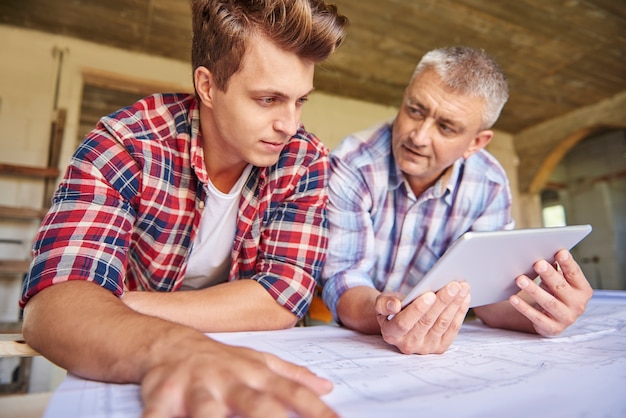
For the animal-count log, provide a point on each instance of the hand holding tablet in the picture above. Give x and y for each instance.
(490, 261)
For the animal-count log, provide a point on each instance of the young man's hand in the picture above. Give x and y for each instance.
(227, 381)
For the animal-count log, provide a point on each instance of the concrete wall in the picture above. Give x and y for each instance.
(542, 146)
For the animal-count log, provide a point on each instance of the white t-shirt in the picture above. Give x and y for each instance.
(209, 261)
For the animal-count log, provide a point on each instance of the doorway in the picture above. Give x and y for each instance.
(588, 186)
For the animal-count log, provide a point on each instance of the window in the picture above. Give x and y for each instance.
(554, 215)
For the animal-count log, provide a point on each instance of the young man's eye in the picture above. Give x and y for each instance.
(267, 100)
(302, 100)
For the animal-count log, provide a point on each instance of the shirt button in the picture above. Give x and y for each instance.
(201, 205)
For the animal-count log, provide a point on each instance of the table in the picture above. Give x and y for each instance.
(13, 345)
(486, 372)
(32, 405)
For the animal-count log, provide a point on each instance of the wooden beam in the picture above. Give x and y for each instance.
(13, 327)
(21, 213)
(29, 171)
(116, 81)
(54, 152)
(13, 345)
(14, 267)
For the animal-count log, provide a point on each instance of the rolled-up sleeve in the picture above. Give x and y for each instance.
(285, 225)
(351, 245)
(86, 233)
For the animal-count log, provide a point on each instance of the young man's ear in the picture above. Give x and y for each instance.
(479, 142)
(204, 84)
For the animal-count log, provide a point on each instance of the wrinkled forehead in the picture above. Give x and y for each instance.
(430, 93)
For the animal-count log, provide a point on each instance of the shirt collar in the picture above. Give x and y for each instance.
(196, 151)
(443, 187)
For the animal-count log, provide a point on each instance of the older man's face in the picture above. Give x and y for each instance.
(434, 127)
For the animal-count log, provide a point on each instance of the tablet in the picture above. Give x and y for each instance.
(490, 261)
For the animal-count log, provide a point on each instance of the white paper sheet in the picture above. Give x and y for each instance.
(486, 373)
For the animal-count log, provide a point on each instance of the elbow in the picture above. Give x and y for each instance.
(287, 321)
(283, 319)
(31, 329)
(292, 322)
(27, 328)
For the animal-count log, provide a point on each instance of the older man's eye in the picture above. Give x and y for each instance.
(416, 112)
(447, 129)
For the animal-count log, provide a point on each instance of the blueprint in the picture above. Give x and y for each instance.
(486, 372)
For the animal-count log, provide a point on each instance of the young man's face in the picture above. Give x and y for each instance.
(260, 110)
(434, 127)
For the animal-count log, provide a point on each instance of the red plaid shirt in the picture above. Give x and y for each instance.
(127, 210)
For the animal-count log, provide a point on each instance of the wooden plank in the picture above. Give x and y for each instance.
(134, 87)
(14, 267)
(14, 327)
(57, 130)
(29, 171)
(56, 138)
(25, 405)
(21, 213)
(13, 345)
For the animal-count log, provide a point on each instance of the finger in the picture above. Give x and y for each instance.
(247, 402)
(546, 299)
(451, 318)
(561, 301)
(161, 405)
(160, 398)
(405, 321)
(300, 399)
(449, 295)
(282, 393)
(542, 323)
(447, 325)
(420, 316)
(572, 271)
(299, 374)
(152, 409)
(201, 404)
(554, 316)
(387, 304)
(411, 331)
(455, 325)
(552, 279)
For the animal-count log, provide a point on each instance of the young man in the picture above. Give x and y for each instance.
(195, 193)
(402, 192)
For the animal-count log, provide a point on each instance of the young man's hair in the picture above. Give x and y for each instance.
(221, 29)
(471, 72)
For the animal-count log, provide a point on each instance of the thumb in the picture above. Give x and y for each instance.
(388, 304)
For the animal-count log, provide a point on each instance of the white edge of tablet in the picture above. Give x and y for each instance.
(504, 287)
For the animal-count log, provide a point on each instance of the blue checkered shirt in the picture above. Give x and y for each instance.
(381, 235)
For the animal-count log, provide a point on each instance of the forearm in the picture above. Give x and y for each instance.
(503, 315)
(85, 329)
(241, 305)
(356, 309)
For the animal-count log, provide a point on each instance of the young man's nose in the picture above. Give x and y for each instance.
(288, 121)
